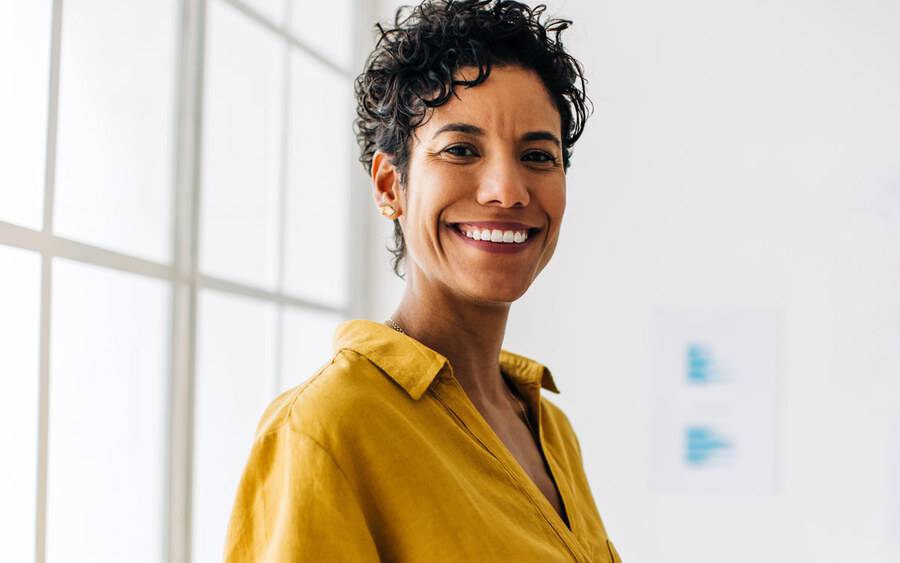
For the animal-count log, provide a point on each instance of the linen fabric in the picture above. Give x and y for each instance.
(381, 456)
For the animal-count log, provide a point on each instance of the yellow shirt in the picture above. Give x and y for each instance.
(381, 456)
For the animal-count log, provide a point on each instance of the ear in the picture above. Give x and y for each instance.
(386, 182)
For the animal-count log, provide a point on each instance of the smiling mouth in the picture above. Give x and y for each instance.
(506, 237)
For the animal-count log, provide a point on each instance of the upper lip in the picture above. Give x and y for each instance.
(498, 225)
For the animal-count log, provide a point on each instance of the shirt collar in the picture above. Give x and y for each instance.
(414, 366)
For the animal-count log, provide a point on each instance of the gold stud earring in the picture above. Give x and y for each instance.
(389, 212)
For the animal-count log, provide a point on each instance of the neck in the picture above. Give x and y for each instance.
(468, 334)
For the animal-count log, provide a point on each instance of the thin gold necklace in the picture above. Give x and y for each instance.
(393, 324)
(524, 414)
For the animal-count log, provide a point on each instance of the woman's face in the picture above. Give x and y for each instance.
(487, 164)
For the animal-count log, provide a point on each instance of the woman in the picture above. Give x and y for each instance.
(422, 440)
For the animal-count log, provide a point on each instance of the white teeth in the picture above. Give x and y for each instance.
(496, 235)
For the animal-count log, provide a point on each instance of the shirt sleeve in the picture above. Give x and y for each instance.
(295, 504)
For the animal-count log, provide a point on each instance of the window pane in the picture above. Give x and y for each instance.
(114, 168)
(235, 381)
(319, 162)
(241, 138)
(324, 26)
(307, 343)
(24, 64)
(108, 382)
(19, 334)
(273, 10)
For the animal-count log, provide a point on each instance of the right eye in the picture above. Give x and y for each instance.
(460, 151)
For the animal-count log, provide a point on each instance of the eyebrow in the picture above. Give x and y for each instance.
(470, 129)
(460, 128)
(542, 136)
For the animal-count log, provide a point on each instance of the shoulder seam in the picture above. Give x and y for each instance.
(327, 454)
(340, 469)
(286, 419)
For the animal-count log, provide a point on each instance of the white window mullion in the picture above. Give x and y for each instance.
(40, 536)
(43, 412)
(282, 201)
(186, 203)
(359, 200)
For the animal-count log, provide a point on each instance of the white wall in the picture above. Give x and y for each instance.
(740, 154)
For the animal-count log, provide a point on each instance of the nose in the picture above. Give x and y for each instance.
(503, 184)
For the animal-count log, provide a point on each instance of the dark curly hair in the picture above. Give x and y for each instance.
(414, 65)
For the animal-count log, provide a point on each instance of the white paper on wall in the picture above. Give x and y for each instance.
(714, 384)
(894, 480)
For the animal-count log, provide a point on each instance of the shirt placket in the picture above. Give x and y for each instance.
(449, 393)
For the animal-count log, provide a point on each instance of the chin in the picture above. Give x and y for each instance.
(495, 292)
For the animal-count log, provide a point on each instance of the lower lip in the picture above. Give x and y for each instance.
(495, 247)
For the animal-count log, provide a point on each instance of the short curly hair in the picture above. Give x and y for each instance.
(414, 68)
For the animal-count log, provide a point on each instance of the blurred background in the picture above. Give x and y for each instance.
(183, 223)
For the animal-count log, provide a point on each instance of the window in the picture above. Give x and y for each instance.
(177, 235)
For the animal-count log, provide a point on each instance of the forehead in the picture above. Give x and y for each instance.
(510, 101)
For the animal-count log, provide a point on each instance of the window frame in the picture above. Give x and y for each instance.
(182, 271)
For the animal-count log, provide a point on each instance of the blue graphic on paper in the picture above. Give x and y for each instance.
(699, 364)
(703, 446)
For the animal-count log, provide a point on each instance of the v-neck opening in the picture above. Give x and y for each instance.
(539, 442)
(564, 522)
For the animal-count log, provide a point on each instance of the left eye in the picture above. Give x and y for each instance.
(538, 156)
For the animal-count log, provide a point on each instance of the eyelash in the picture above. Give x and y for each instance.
(546, 157)
(465, 147)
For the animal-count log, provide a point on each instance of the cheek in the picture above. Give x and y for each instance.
(436, 189)
(423, 212)
(554, 205)
(553, 201)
